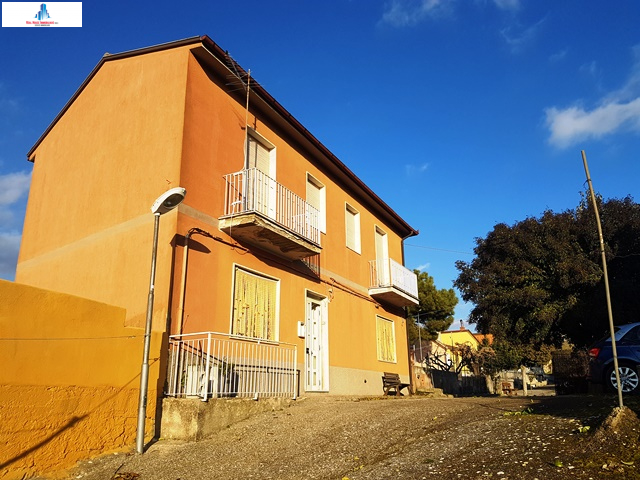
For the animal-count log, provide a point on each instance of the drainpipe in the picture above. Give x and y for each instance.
(406, 321)
(183, 283)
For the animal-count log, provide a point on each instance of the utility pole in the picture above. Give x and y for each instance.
(606, 281)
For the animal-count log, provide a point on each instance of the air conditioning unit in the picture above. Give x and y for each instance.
(195, 381)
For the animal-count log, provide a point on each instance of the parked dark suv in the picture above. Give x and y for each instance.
(628, 349)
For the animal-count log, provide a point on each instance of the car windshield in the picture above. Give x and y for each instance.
(622, 330)
(607, 337)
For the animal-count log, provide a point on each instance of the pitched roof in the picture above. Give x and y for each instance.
(458, 335)
(480, 337)
(223, 57)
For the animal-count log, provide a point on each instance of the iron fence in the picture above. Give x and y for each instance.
(389, 273)
(251, 190)
(215, 365)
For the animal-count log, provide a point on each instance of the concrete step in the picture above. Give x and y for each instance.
(432, 393)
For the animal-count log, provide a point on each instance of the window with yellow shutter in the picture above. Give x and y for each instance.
(386, 340)
(255, 306)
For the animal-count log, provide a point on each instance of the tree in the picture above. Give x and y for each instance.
(588, 319)
(435, 311)
(540, 281)
(479, 362)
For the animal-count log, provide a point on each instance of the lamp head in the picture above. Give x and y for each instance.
(168, 200)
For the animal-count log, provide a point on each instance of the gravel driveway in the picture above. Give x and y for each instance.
(382, 438)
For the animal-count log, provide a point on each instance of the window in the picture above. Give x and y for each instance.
(261, 186)
(386, 340)
(352, 221)
(255, 305)
(317, 198)
(383, 268)
(260, 153)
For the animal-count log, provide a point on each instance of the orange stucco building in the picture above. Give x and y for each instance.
(277, 241)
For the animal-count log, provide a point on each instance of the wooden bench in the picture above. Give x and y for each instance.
(508, 389)
(391, 381)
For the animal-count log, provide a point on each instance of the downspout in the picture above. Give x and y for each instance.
(183, 283)
(413, 233)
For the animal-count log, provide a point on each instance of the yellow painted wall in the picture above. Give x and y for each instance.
(462, 337)
(452, 338)
(69, 382)
(88, 227)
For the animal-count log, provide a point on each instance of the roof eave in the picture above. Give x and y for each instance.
(405, 229)
(105, 58)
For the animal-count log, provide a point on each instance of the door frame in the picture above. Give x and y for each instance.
(382, 256)
(323, 359)
(266, 193)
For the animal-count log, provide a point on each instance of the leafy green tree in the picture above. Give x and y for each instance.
(435, 311)
(540, 281)
(588, 318)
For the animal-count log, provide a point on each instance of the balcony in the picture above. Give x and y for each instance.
(392, 283)
(261, 212)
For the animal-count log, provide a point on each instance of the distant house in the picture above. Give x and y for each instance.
(482, 338)
(441, 354)
(281, 270)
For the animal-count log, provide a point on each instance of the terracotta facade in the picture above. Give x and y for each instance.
(176, 115)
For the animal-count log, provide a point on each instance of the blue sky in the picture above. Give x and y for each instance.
(460, 114)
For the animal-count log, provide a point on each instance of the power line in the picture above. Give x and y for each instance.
(438, 249)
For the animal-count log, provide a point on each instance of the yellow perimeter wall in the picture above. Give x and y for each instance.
(52, 412)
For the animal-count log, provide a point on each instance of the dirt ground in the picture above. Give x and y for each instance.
(554, 437)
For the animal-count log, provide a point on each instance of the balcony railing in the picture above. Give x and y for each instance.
(388, 276)
(252, 191)
(215, 365)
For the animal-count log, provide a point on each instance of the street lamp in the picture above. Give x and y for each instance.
(163, 204)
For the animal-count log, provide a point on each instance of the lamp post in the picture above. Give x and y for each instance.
(163, 204)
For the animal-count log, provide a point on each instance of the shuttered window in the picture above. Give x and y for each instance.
(255, 306)
(316, 197)
(352, 227)
(386, 340)
(258, 156)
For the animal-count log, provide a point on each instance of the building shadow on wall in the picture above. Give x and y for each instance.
(71, 423)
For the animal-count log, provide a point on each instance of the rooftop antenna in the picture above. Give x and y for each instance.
(246, 120)
(241, 79)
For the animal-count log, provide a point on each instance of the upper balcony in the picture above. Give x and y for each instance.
(392, 283)
(261, 212)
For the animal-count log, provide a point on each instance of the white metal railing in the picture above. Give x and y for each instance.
(251, 190)
(215, 365)
(389, 273)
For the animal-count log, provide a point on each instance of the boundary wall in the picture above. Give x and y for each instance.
(69, 380)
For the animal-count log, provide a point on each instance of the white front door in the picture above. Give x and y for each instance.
(316, 351)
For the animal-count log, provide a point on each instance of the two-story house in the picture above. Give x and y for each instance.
(278, 250)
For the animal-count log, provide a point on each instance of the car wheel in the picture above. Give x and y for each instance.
(629, 378)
